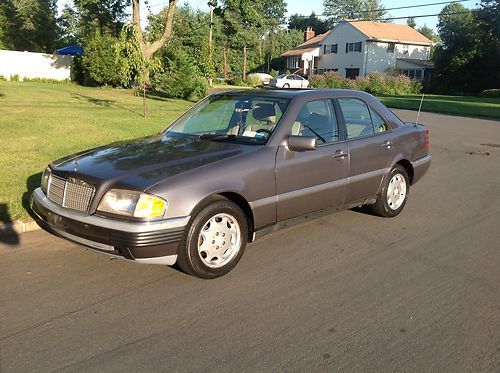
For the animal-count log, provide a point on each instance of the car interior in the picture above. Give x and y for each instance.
(316, 119)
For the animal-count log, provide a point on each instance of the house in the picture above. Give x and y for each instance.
(304, 57)
(356, 48)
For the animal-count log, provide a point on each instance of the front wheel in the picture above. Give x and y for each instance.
(286, 85)
(215, 240)
(394, 195)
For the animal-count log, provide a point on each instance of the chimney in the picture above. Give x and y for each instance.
(309, 33)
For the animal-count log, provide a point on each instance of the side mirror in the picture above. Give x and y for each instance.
(301, 143)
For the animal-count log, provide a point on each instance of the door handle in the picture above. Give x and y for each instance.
(386, 144)
(340, 154)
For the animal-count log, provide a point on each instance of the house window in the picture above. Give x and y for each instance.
(405, 49)
(351, 73)
(413, 73)
(292, 62)
(390, 47)
(331, 48)
(353, 47)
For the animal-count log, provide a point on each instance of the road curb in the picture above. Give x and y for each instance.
(18, 227)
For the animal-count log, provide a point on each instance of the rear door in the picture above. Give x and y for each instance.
(371, 147)
(312, 180)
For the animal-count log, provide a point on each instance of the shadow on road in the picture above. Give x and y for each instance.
(7, 234)
(364, 210)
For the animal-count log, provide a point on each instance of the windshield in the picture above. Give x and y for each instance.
(248, 119)
(281, 76)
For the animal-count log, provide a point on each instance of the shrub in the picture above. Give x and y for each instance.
(237, 81)
(493, 93)
(109, 60)
(274, 73)
(181, 79)
(47, 80)
(254, 80)
(3, 78)
(374, 83)
(331, 79)
(15, 78)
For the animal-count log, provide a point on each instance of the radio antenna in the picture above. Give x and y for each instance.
(420, 108)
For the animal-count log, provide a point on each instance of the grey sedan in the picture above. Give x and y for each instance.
(237, 165)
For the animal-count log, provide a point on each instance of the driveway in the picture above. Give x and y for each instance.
(345, 292)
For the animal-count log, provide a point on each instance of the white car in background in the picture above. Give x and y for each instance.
(289, 81)
(264, 78)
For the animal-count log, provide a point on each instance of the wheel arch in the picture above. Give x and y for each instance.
(406, 164)
(243, 204)
(237, 199)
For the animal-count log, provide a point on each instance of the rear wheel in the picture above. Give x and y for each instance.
(394, 195)
(215, 240)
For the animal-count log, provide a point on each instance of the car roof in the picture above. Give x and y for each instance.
(291, 93)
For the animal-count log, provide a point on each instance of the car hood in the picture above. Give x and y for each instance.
(141, 163)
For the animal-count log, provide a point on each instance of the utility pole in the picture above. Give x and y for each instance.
(211, 4)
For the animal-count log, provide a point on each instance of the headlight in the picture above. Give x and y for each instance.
(130, 203)
(45, 179)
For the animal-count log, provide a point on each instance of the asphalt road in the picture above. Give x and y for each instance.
(346, 292)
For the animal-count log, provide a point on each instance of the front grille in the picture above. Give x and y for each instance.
(71, 193)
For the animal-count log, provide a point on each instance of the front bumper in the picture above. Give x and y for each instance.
(151, 243)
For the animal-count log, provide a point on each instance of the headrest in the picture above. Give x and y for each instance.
(264, 112)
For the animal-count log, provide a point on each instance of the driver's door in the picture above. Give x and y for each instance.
(312, 180)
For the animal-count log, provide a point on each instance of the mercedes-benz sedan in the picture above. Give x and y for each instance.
(236, 165)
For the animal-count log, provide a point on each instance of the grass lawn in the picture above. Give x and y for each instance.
(42, 122)
(458, 105)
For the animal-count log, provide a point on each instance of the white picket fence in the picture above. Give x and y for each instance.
(35, 65)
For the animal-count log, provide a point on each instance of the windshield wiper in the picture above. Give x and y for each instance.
(216, 137)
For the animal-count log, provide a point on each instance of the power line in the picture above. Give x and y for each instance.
(395, 8)
(419, 16)
(415, 6)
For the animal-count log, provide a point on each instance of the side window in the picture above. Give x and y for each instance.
(317, 119)
(356, 117)
(378, 122)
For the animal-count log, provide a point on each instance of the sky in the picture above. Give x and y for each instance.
(306, 7)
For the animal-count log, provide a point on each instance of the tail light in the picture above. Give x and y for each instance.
(427, 138)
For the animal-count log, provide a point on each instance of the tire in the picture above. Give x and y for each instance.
(217, 228)
(394, 194)
(286, 85)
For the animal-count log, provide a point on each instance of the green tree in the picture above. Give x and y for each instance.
(10, 26)
(107, 17)
(458, 31)
(428, 33)
(29, 25)
(336, 10)
(68, 25)
(299, 22)
(110, 60)
(410, 21)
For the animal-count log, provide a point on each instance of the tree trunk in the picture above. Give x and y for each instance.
(144, 103)
(150, 48)
(224, 51)
(245, 62)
